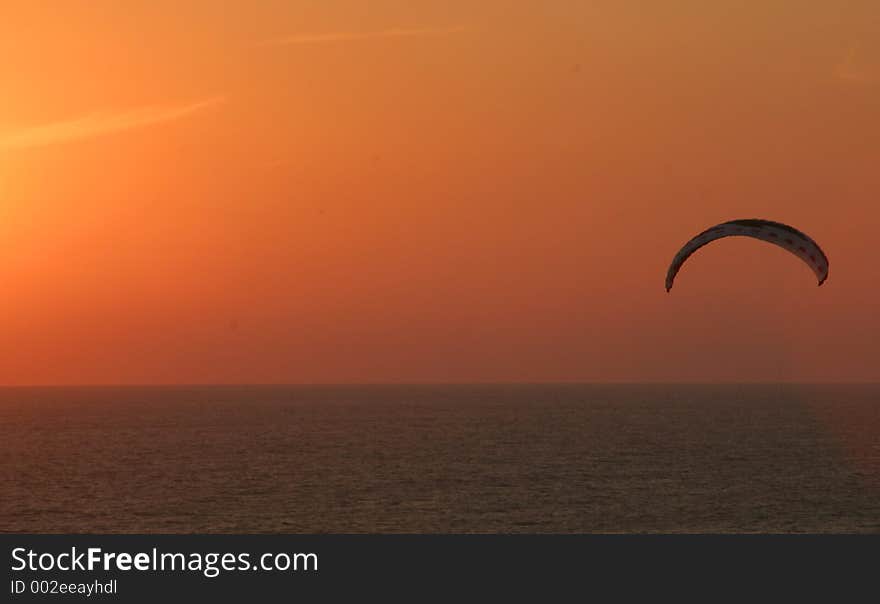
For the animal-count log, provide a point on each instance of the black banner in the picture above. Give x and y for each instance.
(150, 568)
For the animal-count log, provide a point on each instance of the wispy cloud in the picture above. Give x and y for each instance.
(98, 124)
(855, 68)
(346, 36)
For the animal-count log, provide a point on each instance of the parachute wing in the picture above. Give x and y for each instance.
(786, 237)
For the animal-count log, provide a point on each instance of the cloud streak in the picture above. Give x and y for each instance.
(854, 68)
(99, 124)
(351, 36)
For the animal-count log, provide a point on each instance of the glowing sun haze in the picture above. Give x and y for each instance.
(388, 191)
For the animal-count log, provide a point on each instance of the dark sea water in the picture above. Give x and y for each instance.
(494, 458)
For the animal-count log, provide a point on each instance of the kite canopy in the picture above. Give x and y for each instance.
(786, 237)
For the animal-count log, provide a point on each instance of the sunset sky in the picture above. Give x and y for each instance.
(435, 190)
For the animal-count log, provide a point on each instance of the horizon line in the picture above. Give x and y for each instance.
(442, 383)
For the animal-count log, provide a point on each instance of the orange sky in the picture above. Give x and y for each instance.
(387, 191)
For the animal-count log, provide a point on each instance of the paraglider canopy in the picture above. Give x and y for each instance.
(777, 233)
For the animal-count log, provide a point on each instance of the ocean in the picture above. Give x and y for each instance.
(563, 458)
